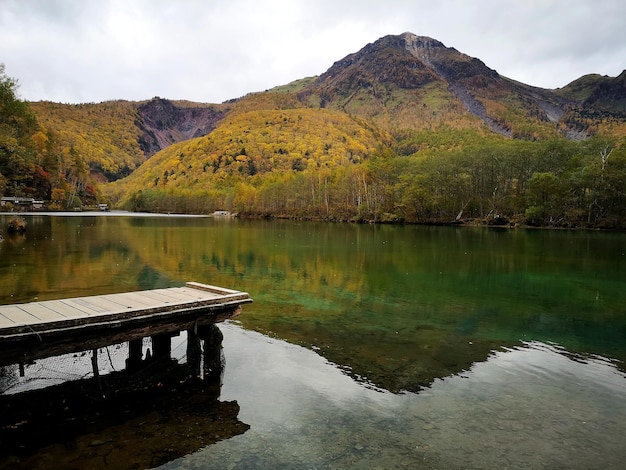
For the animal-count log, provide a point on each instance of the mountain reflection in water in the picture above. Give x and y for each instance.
(530, 406)
(133, 414)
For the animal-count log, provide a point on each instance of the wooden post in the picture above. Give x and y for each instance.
(161, 346)
(213, 355)
(134, 354)
(194, 356)
(94, 366)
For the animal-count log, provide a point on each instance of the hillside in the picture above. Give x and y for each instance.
(103, 136)
(598, 92)
(598, 105)
(405, 129)
(114, 137)
(253, 151)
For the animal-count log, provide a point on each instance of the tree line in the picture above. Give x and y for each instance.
(34, 162)
(556, 183)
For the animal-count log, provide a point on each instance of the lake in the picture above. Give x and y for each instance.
(367, 346)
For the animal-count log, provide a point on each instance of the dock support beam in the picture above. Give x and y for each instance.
(204, 351)
(135, 354)
(213, 353)
(161, 347)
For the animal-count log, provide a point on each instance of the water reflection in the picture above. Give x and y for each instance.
(425, 346)
(531, 406)
(136, 404)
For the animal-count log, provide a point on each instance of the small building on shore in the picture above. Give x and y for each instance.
(19, 204)
(22, 204)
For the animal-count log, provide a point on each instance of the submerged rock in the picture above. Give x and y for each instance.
(17, 225)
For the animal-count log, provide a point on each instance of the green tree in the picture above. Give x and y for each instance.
(546, 199)
(17, 126)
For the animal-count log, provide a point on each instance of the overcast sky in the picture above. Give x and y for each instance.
(77, 51)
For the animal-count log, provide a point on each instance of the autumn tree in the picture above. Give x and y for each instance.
(17, 125)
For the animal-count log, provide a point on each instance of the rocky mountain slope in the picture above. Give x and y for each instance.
(598, 93)
(163, 122)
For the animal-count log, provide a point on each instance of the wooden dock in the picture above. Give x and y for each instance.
(33, 330)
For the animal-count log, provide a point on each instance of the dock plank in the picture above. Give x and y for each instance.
(221, 291)
(143, 298)
(209, 288)
(172, 297)
(81, 306)
(196, 293)
(6, 322)
(103, 305)
(136, 300)
(40, 311)
(91, 305)
(63, 309)
(18, 316)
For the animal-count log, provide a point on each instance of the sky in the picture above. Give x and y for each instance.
(81, 51)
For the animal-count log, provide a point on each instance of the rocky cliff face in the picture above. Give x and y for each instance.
(162, 123)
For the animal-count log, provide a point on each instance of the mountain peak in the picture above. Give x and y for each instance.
(413, 41)
(378, 80)
(446, 62)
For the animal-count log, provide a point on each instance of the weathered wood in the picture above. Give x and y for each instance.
(82, 319)
(34, 348)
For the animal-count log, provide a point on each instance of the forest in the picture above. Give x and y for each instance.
(274, 156)
(556, 183)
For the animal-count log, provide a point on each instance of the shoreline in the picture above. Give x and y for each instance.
(467, 223)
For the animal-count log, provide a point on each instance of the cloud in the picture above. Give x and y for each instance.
(211, 51)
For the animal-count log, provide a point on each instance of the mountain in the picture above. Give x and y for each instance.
(399, 83)
(404, 129)
(416, 82)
